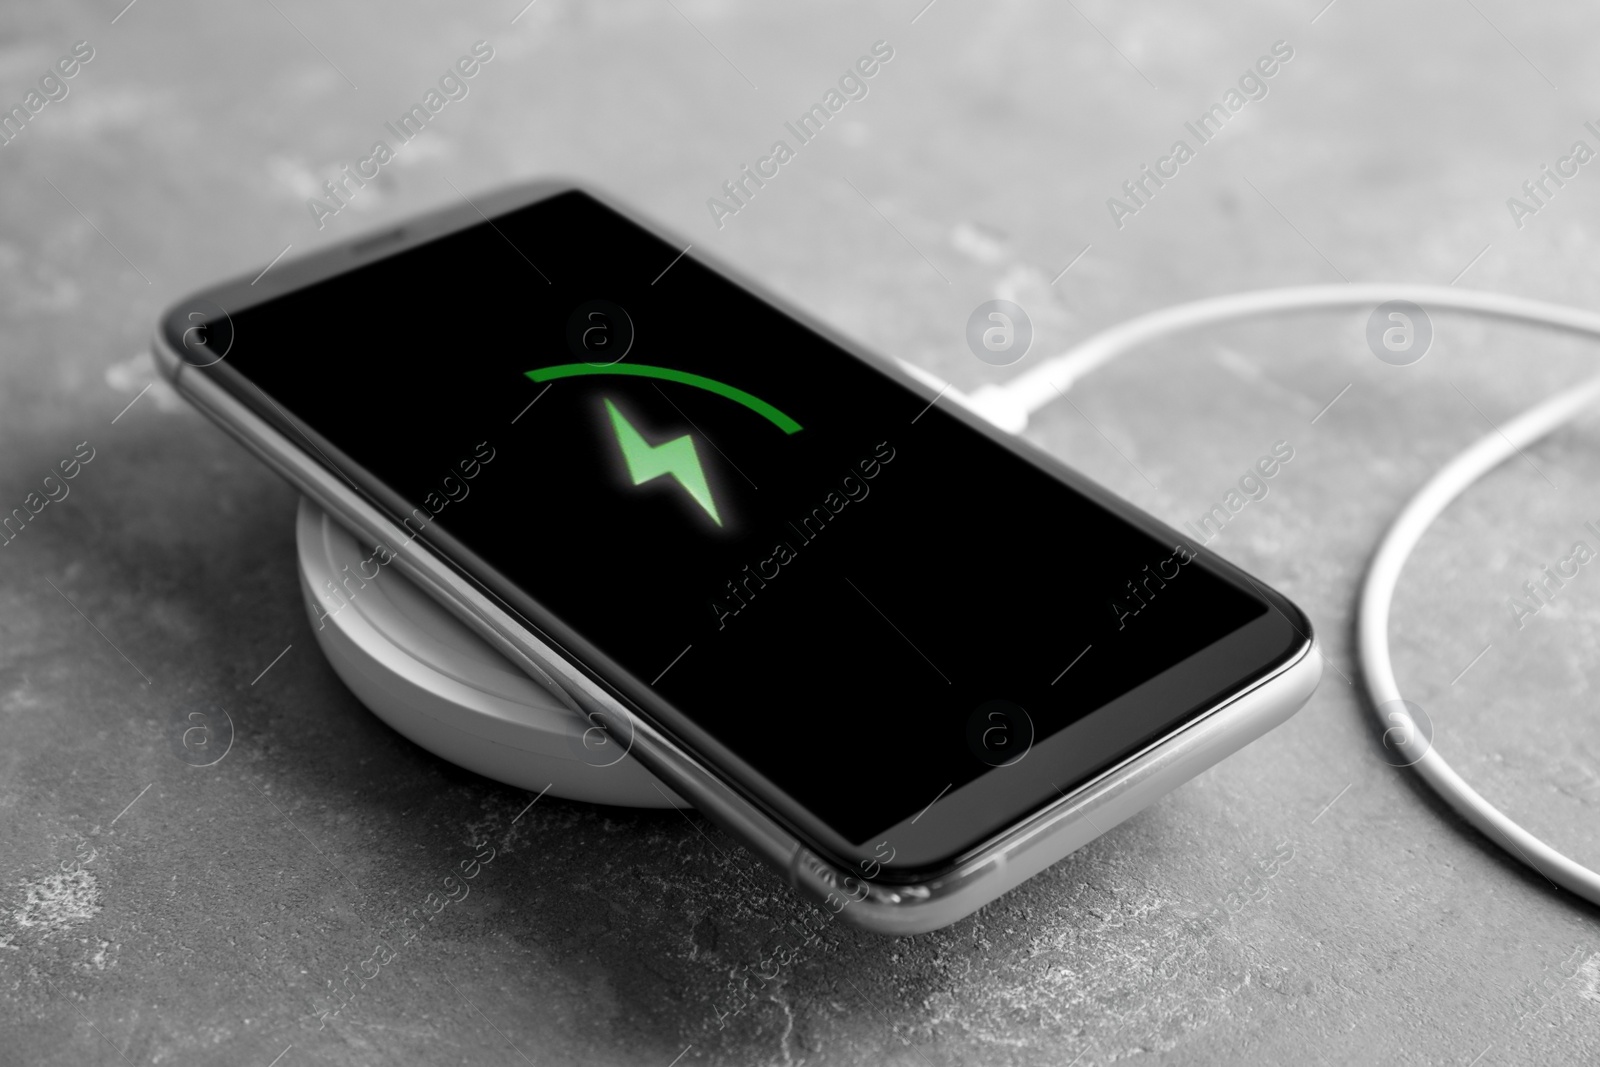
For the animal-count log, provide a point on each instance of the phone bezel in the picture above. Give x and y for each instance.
(1274, 640)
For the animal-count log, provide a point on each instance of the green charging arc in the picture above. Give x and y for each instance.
(667, 374)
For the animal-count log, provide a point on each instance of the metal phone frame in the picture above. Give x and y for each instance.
(998, 865)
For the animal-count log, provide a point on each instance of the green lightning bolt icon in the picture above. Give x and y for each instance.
(676, 457)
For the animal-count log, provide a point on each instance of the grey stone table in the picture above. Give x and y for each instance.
(156, 912)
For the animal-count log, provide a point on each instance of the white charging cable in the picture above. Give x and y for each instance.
(1009, 406)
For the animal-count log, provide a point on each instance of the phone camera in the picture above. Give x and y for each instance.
(999, 733)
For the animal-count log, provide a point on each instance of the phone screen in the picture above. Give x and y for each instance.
(773, 544)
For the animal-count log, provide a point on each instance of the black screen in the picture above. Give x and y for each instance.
(802, 556)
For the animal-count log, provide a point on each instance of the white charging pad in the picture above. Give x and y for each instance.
(420, 670)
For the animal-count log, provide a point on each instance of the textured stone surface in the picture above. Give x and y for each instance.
(208, 922)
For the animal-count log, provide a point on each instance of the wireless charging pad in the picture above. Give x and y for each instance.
(420, 670)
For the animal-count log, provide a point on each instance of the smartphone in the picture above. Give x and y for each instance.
(905, 658)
